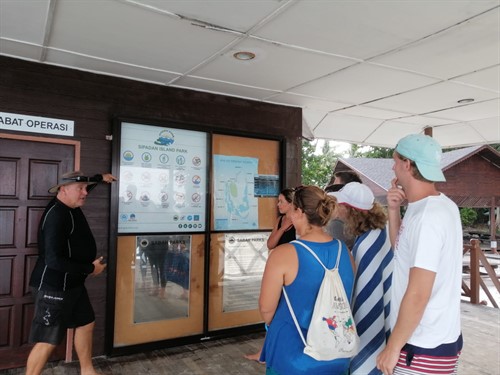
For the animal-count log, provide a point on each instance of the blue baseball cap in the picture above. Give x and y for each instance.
(425, 152)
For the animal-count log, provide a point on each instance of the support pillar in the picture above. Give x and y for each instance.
(493, 224)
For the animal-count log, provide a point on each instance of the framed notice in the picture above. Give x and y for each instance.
(159, 288)
(162, 274)
(162, 179)
(245, 256)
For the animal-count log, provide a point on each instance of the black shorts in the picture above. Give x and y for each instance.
(56, 311)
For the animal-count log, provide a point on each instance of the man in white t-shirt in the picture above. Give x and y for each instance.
(426, 285)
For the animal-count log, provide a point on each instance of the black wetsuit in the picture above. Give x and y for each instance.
(66, 247)
(66, 252)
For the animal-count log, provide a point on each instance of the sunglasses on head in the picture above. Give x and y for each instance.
(297, 196)
(77, 179)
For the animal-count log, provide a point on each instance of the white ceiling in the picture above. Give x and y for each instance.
(364, 71)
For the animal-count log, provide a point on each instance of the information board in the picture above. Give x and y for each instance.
(163, 179)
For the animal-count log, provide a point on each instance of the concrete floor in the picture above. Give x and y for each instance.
(480, 356)
(481, 330)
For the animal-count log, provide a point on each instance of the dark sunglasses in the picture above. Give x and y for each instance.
(77, 179)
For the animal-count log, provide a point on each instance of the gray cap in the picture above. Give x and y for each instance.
(71, 178)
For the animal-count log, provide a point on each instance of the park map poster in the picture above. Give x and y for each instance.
(235, 205)
(162, 180)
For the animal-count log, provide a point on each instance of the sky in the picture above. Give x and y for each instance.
(341, 147)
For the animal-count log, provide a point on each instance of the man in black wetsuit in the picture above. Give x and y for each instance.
(67, 255)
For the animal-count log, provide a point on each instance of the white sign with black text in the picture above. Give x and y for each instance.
(36, 124)
(245, 256)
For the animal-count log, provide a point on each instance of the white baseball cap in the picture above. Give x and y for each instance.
(356, 195)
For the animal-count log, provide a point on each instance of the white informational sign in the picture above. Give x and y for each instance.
(245, 256)
(35, 124)
(163, 179)
(235, 204)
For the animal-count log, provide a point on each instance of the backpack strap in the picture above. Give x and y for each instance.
(317, 258)
(292, 313)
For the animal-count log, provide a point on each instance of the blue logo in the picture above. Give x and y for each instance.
(166, 138)
(128, 155)
(196, 180)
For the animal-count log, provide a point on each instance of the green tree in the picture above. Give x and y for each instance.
(317, 167)
(468, 216)
(359, 151)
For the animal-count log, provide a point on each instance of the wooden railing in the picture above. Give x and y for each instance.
(472, 274)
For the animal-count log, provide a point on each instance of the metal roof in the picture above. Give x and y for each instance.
(377, 173)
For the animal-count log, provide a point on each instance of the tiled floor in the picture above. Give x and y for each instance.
(218, 357)
(480, 356)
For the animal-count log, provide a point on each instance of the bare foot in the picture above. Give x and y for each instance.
(91, 372)
(162, 295)
(254, 357)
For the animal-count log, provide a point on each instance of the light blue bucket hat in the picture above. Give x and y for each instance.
(425, 152)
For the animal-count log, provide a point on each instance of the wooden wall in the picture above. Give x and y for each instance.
(472, 182)
(92, 101)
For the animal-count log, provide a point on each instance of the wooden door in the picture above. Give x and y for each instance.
(27, 170)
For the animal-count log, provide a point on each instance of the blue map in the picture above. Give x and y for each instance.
(235, 206)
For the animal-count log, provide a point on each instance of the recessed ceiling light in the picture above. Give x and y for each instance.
(464, 101)
(244, 55)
